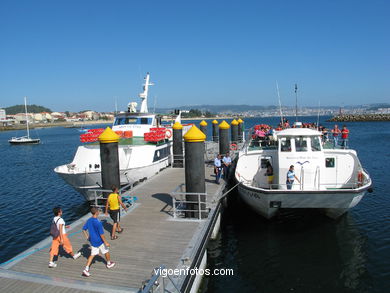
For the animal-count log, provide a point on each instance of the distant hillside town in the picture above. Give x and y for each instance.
(52, 117)
(15, 115)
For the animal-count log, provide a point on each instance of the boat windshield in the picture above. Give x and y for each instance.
(301, 144)
(133, 120)
(315, 144)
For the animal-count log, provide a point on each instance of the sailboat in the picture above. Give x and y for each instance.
(25, 139)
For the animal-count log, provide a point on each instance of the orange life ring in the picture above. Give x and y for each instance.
(233, 147)
(168, 133)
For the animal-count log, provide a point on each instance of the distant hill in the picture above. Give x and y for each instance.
(219, 108)
(30, 108)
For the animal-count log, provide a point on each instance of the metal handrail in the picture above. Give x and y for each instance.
(154, 284)
(179, 205)
(345, 186)
(101, 191)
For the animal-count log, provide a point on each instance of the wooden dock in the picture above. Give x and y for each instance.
(151, 237)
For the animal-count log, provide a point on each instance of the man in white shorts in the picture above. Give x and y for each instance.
(95, 236)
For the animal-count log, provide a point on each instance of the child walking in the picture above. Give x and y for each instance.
(62, 239)
(95, 235)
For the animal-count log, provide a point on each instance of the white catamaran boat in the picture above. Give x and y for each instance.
(330, 179)
(25, 139)
(139, 158)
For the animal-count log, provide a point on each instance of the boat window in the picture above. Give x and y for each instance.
(285, 144)
(301, 144)
(315, 144)
(329, 162)
(132, 120)
(264, 163)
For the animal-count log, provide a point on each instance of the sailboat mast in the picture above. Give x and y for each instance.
(280, 104)
(25, 108)
(296, 103)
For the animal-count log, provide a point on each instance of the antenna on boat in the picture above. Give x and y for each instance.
(318, 116)
(25, 109)
(116, 105)
(296, 103)
(280, 104)
(144, 95)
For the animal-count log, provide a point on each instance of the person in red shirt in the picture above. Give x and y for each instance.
(344, 136)
(335, 131)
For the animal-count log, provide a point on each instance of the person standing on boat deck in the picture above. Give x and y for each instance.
(290, 177)
(344, 136)
(227, 161)
(270, 174)
(62, 239)
(217, 168)
(114, 202)
(95, 236)
(335, 131)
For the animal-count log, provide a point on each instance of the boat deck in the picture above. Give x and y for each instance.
(151, 238)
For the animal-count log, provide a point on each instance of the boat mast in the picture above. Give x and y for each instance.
(144, 95)
(280, 104)
(25, 108)
(296, 103)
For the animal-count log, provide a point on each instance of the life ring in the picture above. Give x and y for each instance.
(168, 133)
(233, 147)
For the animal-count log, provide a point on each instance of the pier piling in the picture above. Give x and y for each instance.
(224, 137)
(203, 127)
(109, 158)
(234, 130)
(194, 171)
(240, 130)
(178, 159)
(215, 130)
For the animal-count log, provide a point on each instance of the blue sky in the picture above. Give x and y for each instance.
(77, 55)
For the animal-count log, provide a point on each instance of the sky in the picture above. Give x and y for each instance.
(78, 55)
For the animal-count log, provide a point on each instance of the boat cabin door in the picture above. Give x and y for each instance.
(261, 179)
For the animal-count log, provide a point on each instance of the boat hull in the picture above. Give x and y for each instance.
(24, 141)
(268, 202)
(84, 182)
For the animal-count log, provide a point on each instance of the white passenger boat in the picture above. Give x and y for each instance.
(139, 159)
(331, 179)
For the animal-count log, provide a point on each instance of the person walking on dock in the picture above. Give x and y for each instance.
(114, 202)
(95, 236)
(61, 239)
(217, 168)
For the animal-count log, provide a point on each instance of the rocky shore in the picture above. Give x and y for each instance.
(360, 117)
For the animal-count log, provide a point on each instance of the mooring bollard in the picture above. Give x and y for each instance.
(215, 130)
(109, 158)
(194, 171)
(178, 159)
(234, 125)
(240, 130)
(203, 127)
(224, 137)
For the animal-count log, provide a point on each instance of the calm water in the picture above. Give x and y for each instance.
(300, 251)
(304, 251)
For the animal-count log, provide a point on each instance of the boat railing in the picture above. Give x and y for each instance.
(100, 195)
(183, 208)
(159, 282)
(315, 187)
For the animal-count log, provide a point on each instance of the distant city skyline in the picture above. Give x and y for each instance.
(78, 55)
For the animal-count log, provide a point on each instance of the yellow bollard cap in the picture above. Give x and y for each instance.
(240, 120)
(177, 125)
(224, 125)
(194, 135)
(203, 123)
(108, 136)
(234, 122)
(215, 122)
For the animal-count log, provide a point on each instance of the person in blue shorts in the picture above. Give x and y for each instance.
(95, 236)
(290, 177)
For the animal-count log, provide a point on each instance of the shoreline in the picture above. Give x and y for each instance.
(360, 118)
(56, 124)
